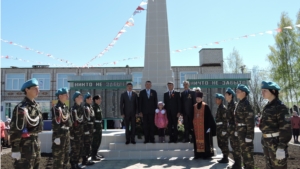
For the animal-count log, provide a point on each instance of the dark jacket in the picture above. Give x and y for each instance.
(147, 105)
(129, 106)
(188, 100)
(172, 103)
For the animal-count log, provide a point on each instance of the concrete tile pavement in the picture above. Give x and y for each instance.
(172, 163)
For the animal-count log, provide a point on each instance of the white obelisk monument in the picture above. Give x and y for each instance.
(157, 66)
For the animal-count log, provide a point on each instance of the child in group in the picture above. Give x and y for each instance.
(161, 121)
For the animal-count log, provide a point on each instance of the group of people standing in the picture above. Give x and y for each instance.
(79, 128)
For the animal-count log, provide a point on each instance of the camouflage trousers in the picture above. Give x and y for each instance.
(30, 154)
(87, 141)
(61, 152)
(76, 148)
(222, 141)
(234, 142)
(246, 148)
(269, 148)
(97, 137)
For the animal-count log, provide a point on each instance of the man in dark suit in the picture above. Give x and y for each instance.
(173, 107)
(147, 106)
(129, 111)
(188, 100)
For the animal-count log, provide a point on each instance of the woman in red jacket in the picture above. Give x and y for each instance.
(295, 120)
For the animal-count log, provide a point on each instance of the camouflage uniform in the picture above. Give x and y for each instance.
(29, 147)
(97, 136)
(276, 133)
(221, 121)
(76, 133)
(234, 142)
(244, 118)
(89, 117)
(60, 127)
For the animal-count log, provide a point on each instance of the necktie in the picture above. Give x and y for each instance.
(148, 93)
(186, 92)
(129, 95)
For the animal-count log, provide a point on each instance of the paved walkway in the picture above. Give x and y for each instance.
(160, 164)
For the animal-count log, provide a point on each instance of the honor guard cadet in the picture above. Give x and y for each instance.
(275, 126)
(244, 119)
(221, 121)
(97, 136)
(76, 131)
(61, 122)
(89, 117)
(25, 125)
(231, 129)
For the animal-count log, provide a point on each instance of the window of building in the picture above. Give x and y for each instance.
(137, 80)
(9, 107)
(115, 73)
(14, 81)
(182, 77)
(62, 80)
(90, 74)
(43, 79)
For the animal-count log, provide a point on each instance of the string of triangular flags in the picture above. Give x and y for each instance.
(56, 65)
(30, 61)
(38, 52)
(270, 32)
(128, 23)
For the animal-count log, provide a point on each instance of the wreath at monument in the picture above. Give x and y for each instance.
(139, 131)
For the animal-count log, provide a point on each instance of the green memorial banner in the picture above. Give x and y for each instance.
(216, 83)
(104, 84)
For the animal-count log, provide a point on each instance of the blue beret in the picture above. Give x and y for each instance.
(75, 95)
(243, 88)
(269, 85)
(219, 96)
(229, 90)
(61, 91)
(29, 83)
(86, 96)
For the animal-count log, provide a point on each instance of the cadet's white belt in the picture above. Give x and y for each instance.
(98, 121)
(90, 123)
(219, 123)
(271, 135)
(64, 127)
(86, 133)
(241, 124)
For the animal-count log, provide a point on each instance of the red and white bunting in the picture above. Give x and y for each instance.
(39, 52)
(128, 23)
(270, 32)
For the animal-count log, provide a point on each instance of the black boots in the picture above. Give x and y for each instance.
(75, 166)
(236, 165)
(86, 162)
(224, 159)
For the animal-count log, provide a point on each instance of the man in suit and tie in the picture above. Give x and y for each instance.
(147, 106)
(188, 101)
(129, 111)
(173, 106)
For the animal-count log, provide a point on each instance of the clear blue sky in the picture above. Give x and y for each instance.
(79, 30)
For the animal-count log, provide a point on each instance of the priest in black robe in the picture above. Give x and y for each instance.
(204, 129)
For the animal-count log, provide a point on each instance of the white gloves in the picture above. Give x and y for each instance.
(208, 130)
(16, 155)
(57, 141)
(236, 134)
(280, 154)
(223, 133)
(248, 140)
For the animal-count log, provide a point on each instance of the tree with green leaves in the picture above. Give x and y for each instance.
(284, 59)
(234, 63)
